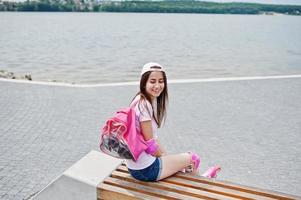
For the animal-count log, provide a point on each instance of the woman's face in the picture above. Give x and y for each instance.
(155, 84)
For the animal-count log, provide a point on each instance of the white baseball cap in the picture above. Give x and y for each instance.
(152, 66)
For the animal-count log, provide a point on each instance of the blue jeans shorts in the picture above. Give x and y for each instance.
(151, 173)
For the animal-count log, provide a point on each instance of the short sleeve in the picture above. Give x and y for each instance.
(144, 110)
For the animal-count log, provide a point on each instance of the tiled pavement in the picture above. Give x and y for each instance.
(252, 128)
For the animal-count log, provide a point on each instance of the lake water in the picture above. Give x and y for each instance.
(112, 47)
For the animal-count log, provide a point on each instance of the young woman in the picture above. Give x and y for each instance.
(150, 106)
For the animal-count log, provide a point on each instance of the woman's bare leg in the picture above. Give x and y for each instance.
(171, 164)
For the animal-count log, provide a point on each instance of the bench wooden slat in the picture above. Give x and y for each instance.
(215, 189)
(171, 187)
(144, 189)
(238, 187)
(113, 192)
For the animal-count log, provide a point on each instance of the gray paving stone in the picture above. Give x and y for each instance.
(251, 128)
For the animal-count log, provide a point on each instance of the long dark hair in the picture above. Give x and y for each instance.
(162, 100)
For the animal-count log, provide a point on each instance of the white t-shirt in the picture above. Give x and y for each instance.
(144, 112)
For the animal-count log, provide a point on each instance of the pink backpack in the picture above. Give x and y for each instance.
(120, 137)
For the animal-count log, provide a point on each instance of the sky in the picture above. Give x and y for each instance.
(286, 2)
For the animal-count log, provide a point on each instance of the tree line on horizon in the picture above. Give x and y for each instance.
(165, 6)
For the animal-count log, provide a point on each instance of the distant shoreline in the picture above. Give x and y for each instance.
(130, 83)
(27, 78)
(175, 6)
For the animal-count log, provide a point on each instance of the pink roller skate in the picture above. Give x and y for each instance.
(212, 172)
(195, 163)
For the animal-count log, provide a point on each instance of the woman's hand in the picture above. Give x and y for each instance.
(161, 151)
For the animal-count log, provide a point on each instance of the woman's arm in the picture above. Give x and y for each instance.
(147, 131)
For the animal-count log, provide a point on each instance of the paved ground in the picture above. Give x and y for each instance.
(252, 128)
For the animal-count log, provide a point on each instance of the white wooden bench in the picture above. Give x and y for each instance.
(120, 185)
(98, 176)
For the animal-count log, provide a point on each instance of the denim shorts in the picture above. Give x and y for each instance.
(151, 173)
